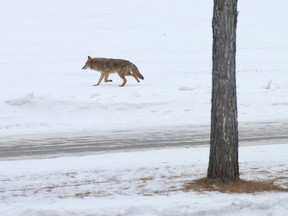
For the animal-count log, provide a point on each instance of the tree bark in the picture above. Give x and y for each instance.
(223, 160)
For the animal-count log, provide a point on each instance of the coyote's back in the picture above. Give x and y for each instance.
(107, 66)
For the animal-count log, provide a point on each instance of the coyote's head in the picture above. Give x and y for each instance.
(88, 63)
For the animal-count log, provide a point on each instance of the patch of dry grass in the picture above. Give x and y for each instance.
(239, 186)
(83, 194)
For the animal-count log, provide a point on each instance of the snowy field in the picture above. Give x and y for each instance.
(44, 45)
(43, 90)
(146, 183)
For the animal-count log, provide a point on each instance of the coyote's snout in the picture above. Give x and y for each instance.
(107, 66)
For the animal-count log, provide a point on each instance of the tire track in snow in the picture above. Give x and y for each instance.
(91, 142)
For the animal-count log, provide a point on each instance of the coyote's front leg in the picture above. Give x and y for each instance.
(100, 79)
(106, 78)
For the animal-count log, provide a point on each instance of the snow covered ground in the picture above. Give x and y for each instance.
(138, 183)
(43, 90)
(45, 44)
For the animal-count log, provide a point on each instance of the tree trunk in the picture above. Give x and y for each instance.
(223, 160)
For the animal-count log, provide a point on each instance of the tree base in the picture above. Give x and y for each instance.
(238, 186)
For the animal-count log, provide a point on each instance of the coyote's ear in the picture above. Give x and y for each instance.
(89, 58)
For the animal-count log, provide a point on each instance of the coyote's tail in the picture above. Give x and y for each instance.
(136, 72)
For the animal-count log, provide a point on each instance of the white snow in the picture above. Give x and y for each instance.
(44, 45)
(139, 183)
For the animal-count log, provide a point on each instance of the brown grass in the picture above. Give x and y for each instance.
(239, 186)
(83, 194)
(145, 179)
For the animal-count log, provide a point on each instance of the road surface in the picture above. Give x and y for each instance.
(92, 142)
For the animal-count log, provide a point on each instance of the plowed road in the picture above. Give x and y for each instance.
(92, 142)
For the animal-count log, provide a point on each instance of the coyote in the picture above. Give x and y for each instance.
(107, 66)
